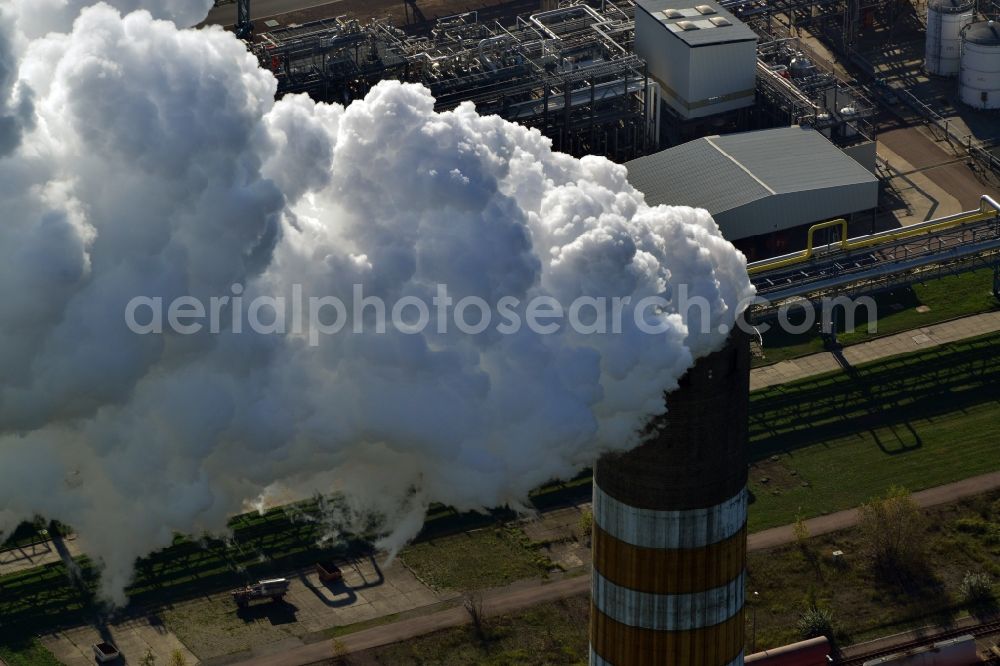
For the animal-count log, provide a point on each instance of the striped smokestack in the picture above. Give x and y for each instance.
(669, 536)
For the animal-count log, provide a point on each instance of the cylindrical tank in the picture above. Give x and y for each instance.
(823, 124)
(669, 539)
(848, 130)
(945, 20)
(979, 83)
(800, 66)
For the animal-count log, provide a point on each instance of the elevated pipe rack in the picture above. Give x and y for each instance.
(878, 262)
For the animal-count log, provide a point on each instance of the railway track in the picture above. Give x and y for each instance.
(985, 629)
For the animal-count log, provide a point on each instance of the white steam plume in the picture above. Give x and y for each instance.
(154, 161)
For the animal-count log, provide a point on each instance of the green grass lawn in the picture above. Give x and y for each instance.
(896, 311)
(487, 557)
(21, 652)
(212, 627)
(917, 420)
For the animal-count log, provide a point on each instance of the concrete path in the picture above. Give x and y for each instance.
(526, 594)
(863, 352)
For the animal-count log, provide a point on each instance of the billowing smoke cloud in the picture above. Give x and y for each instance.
(16, 111)
(156, 163)
(39, 17)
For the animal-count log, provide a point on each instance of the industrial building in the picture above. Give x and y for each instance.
(759, 186)
(670, 536)
(702, 57)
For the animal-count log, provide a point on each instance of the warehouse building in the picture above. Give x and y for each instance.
(703, 57)
(763, 188)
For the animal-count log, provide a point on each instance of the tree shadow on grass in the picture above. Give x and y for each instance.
(888, 394)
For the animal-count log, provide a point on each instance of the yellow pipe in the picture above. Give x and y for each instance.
(807, 253)
(987, 208)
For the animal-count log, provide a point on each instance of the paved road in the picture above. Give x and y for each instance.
(779, 536)
(526, 594)
(259, 9)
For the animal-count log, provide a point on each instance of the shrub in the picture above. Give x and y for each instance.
(987, 531)
(977, 588)
(816, 622)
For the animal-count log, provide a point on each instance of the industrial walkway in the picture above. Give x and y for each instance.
(35, 555)
(863, 352)
(525, 594)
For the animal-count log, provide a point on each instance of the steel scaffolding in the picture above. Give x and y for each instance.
(569, 72)
(795, 88)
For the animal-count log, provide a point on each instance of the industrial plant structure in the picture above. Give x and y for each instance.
(612, 79)
(570, 72)
(669, 540)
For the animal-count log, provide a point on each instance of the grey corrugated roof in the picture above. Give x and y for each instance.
(720, 173)
(709, 34)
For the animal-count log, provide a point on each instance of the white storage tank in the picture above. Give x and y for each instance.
(980, 79)
(945, 20)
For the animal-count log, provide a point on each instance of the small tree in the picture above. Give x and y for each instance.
(177, 658)
(586, 524)
(475, 606)
(801, 531)
(892, 530)
(340, 651)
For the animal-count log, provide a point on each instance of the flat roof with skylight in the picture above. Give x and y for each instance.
(698, 23)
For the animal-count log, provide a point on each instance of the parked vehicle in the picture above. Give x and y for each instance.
(273, 589)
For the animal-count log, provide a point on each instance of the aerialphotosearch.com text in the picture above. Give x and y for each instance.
(314, 317)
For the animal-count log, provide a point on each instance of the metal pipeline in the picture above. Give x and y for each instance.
(988, 208)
